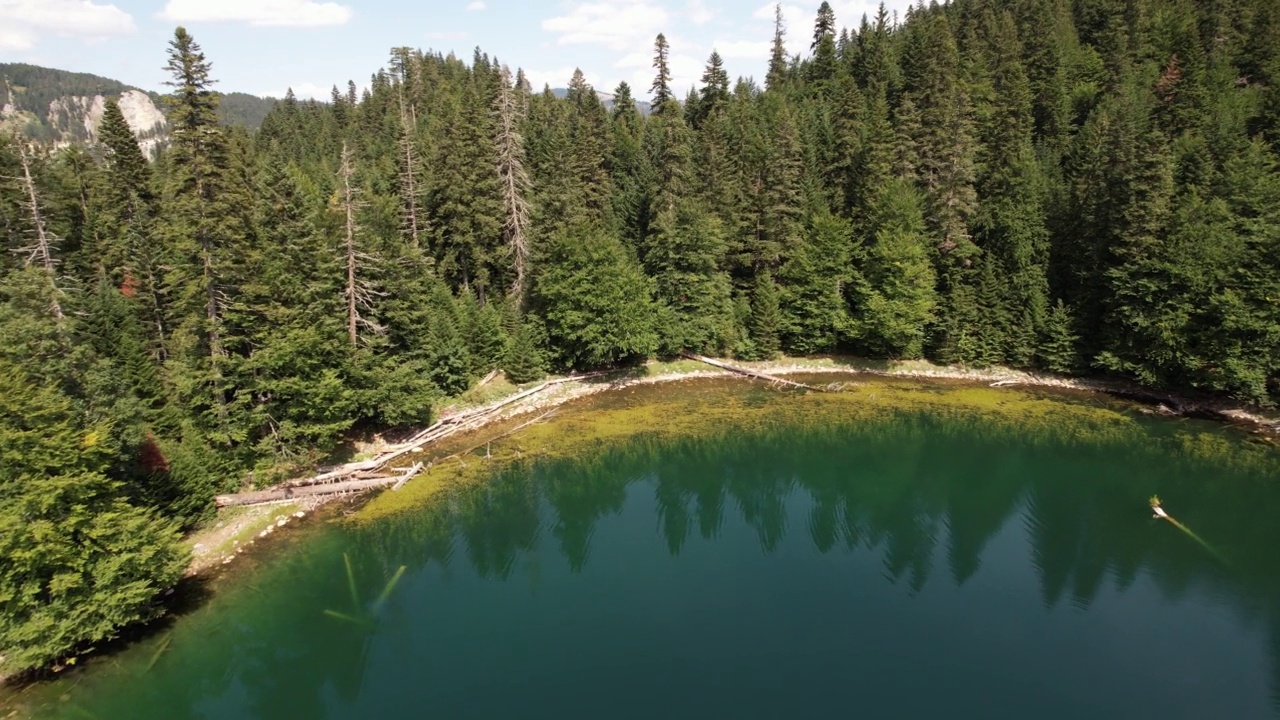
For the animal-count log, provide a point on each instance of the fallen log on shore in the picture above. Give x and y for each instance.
(751, 373)
(359, 475)
(290, 493)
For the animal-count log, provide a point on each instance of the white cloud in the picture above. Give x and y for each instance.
(698, 13)
(615, 24)
(476, 6)
(25, 22)
(447, 36)
(634, 60)
(794, 18)
(743, 49)
(290, 13)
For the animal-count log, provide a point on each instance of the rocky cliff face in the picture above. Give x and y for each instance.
(78, 118)
(75, 118)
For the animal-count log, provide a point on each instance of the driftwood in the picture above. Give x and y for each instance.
(417, 468)
(361, 481)
(289, 493)
(363, 475)
(751, 373)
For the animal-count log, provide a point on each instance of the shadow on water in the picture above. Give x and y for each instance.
(890, 490)
(925, 492)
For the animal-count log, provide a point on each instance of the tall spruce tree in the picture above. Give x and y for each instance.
(204, 228)
(778, 66)
(894, 297)
(661, 88)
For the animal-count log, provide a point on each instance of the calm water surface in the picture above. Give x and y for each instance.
(798, 559)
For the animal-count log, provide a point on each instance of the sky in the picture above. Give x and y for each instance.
(263, 47)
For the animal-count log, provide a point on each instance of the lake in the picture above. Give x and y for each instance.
(715, 548)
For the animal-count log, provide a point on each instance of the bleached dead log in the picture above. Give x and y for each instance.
(352, 476)
(290, 493)
(408, 474)
(751, 373)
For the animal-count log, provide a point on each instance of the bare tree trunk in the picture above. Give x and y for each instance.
(42, 251)
(409, 175)
(348, 204)
(513, 179)
(157, 312)
(359, 292)
(404, 72)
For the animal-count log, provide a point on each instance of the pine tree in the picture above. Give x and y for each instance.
(627, 169)
(944, 138)
(766, 317)
(523, 362)
(873, 63)
(843, 166)
(992, 335)
(1137, 332)
(1058, 348)
(1010, 224)
(595, 300)
(204, 229)
(130, 254)
(81, 562)
(895, 295)
(589, 145)
(822, 67)
(783, 185)
(812, 309)
(715, 89)
(686, 259)
(291, 358)
(661, 89)
(487, 341)
(131, 176)
(777, 74)
(466, 197)
(667, 149)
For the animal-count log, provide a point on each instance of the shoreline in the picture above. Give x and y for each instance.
(248, 530)
(217, 547)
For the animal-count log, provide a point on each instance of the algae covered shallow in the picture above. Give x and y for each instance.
(716, 548)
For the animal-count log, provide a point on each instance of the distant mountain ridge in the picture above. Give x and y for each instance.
(61, 107)
(606, 98)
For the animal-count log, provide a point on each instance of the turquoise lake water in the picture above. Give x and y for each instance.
(804, 564)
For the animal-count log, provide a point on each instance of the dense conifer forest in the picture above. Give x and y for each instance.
(1080, 186)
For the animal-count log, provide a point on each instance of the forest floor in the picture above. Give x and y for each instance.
(237, 529)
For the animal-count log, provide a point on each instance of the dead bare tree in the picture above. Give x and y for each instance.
(359, 292)
(410, 172)
(41, 252)
(404, 73)
(513, 178)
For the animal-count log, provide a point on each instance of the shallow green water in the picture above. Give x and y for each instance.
(802, 558)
